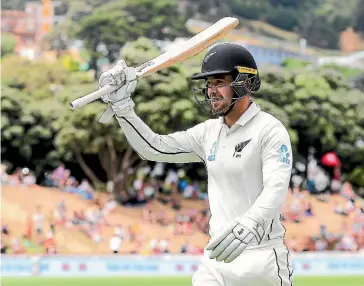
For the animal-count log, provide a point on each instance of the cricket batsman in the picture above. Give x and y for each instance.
(248, 156)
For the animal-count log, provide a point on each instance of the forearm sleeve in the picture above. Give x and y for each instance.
(276, 157)
(178, 147)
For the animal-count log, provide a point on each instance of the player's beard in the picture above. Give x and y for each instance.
(219, 103)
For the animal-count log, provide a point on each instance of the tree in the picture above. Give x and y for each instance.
(114, 24)
(163, 100)
(8, 42)
(284, 18)
(26, 133)
(358, 16)
(323, 109)
(29, 106)
(14, 4)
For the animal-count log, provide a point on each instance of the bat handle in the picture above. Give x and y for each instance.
(81, 101)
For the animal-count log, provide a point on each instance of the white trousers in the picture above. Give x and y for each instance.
(269, 266)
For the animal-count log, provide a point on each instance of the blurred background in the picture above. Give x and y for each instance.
(76, 200)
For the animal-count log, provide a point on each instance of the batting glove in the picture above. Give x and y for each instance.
(120, 99)
(233, 239)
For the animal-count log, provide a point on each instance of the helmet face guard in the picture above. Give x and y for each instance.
(246, 81)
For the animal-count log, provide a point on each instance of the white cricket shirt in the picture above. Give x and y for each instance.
(248, 165)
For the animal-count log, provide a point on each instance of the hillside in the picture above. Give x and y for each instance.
(20, 203)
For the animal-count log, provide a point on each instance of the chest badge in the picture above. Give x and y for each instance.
(239, 147)
(212, 154)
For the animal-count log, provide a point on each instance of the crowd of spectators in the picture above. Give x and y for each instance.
(169, 190)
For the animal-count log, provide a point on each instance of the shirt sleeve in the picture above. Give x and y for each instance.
(276, 157)
(178, 147)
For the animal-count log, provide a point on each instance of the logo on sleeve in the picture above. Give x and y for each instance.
(239, 147)
(284, 155)
(212, 157)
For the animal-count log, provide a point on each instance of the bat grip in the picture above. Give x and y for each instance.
(79, 102)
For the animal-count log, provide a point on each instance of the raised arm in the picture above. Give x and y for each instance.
(178, 147)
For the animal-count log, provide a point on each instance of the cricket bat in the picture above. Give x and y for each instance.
(175, 54)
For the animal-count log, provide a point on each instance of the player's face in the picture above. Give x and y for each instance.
(220, 92)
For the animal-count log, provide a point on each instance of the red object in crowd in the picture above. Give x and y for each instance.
(29, 228)
(330, 159)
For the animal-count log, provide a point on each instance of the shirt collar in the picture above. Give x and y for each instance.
(252, 110)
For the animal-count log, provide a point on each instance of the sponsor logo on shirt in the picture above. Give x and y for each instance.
(239, 147)
(212, 156)
(241, 231)
(284, 155)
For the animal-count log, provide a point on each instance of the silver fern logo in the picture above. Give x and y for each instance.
(239, 147)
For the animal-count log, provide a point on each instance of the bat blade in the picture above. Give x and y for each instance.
(190, 48)
(175, 54)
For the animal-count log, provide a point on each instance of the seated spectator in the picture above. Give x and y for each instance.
(347, 243)
(58, 176)
(323, 231)
(176, 203)
(347, 191)
(110, 206)
(49, 244)
(320, 245)
(4, 246)
(138, 184)
(339, 209)
(307, 244)
(119, 231)
(148, 214)
(149, 190)
(16, 246)
(196, 251)
(163, 246)
(185, 247)
(132, 232)
(308, 210)
(47, 180)
(4, 176)
(295, 210)
(350, 205)
(29, 180)
(202, 195)
(178, 226)
(38, 220)
(59, 213)
(4, 230)
(188, 192)
(115, 243)
(71, 186)
(358, 221)
(323, 197)
(79, 217)
(52, 223)
(153, 246)
(85, 190)
(161, 217)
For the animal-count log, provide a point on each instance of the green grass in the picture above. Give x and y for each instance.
(299, 281)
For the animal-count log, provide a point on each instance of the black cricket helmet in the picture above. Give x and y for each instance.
(225, 59)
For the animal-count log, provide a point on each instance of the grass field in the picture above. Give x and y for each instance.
(299, 281)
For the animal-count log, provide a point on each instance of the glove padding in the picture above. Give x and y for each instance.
(120, 99)
(233, 239)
